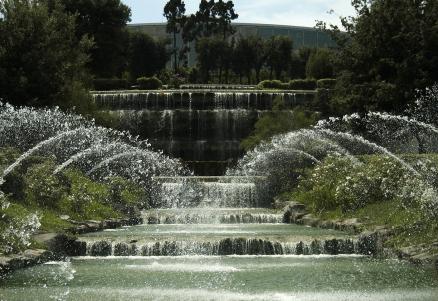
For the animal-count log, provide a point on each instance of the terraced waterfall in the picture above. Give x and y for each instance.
(211, 236)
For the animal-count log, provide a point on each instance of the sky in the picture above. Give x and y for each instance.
(285, 12)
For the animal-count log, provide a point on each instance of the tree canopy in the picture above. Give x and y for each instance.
(104, 21)
(389, 50)
(41, 58)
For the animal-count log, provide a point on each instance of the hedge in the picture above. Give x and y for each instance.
(298, 84)
(326, 83)
(149, 83)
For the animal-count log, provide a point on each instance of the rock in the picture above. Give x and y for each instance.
(293, 212)
(331, 247)
(101, 248)
(351, 225)
(64, 217)
(153, 220)
(25, 259)
(369, 243)
(309, 220)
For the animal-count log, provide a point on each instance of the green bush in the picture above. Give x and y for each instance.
(149, 83)
(337, 183)
(302, 84)
(271, 84)
(319, 64)
(17, 225)
(104, 84)
(41, 187)
(326, 83)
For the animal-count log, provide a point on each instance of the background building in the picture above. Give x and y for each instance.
(301, 36)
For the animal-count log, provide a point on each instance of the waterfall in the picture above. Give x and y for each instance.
(227, 246)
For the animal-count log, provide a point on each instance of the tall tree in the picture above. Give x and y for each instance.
(146, 56)
(389, 51)
(105, 21)
(224, 14)
(279, 49)
(174, 11)
(41, 58)
(243, 58)
(319, 64)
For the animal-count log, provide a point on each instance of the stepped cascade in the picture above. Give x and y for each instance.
(202, 125)
(208, 237)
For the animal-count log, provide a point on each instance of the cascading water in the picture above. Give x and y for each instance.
(203, 127)
(207, 240)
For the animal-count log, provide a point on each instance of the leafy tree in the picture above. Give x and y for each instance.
(105, 21)
(41, 58)
(319, 64)
(174, 12)
(387, 53)
(243, 58)
(208, 50)
(279, 50)
(260, 53)
(224, 14)
(146, 56)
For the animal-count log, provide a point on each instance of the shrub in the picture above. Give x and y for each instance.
(17, 225)
(302, 84)
(103, 84)
(319, 64)
(271, 84)
(326, 83)
(149, 83)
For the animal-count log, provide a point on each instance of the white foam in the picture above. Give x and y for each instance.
(183, 267)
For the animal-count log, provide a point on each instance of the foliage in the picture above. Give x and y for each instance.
(277, 121)
(149, 83)
(272, 84)
(302, 84)
(40, 55)
(17, 225)
(326, 83)
(387, 53)
(146, 56)
(425, 108)
(296, 84)
(319, 64)
(105, 22)
(279, 55)
(105, 84)
(174, 11)
(339, 184)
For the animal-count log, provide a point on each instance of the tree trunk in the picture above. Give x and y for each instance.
(175, 55)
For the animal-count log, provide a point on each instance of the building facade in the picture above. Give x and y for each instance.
(301, 36)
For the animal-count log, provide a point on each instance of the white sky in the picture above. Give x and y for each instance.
(287, 12)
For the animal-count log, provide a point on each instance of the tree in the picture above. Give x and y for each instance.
(174, 12)
(41, 58)
(208, 50)
(279, 50)
(319, 64)
(243, 58)
(146, 56)
(259, 53)
(386, 54)
(224, 14)
(105, 21)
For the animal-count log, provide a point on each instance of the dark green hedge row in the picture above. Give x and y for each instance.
(149, 83)
(297, 84)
